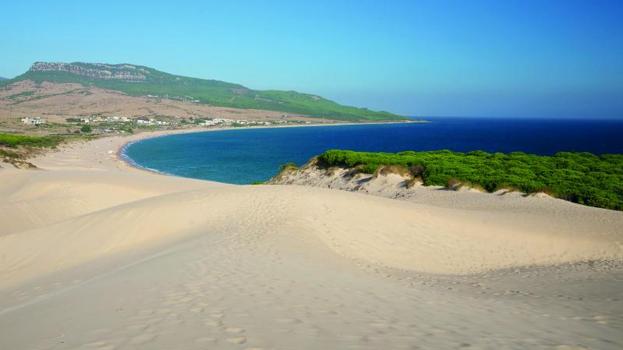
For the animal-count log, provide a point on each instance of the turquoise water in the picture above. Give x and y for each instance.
(248, 155)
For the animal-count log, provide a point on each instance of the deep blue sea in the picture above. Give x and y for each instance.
(247, 155)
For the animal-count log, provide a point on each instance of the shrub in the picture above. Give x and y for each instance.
(14, 140)
(86, 129)
(288, 166)
(454, 184)
(417, 170)
(582, 177)
(8, 154)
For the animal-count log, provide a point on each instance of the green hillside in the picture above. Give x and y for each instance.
(141, 81)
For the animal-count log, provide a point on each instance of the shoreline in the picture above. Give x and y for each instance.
(127, 140)
(120, 152)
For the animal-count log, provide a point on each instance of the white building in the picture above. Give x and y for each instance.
(116, 119)
(151, 121)
(33, 120)
(209, 122)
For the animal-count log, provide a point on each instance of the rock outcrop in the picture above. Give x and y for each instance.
(124, 72)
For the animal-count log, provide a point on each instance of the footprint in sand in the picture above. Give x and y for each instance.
(234, 330)
(99, 345)
(100, 331)
(137, 327)
(204, 340)
(288, 320)
(237, 340)
(196, 309)
(153, 321)
(213, 323)
(142, 339)
(174, 322)
(105, 347)
(601, 319)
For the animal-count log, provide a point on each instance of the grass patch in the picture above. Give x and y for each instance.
(14, 140)
(582, 178)
(20, 95)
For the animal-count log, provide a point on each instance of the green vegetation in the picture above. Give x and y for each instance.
(285, 169)
(213, 92)
(14, 140)
(21, 94)
(86, 129)
(582, 178)
(288, 166)
(8, 154)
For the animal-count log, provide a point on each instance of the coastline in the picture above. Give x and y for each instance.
(173, 260)
(149, 135)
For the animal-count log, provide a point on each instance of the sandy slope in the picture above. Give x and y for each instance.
(97, 255)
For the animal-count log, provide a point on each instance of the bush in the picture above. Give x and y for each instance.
(454, 184)
(86, 129)
(583, 178)
(14, 140)
(288, 166)
(8, 154)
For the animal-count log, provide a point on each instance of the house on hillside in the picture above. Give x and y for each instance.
(33, 121)
(116, 119)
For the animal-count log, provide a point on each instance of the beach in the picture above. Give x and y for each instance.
(97, 254)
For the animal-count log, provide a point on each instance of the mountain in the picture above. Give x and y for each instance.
(1, 78)
(137, 80)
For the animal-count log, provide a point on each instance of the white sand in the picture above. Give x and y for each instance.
(97, 255)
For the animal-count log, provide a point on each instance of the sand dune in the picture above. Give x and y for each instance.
(94, 254)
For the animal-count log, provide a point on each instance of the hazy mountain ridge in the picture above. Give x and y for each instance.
(138, 80)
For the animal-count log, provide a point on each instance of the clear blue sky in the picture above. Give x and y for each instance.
(542, 58)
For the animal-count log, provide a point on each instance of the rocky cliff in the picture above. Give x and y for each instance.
(124, 72)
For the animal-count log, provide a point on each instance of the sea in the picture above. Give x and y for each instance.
(244, 156)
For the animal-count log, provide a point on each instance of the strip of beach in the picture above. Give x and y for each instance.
(97, 254)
